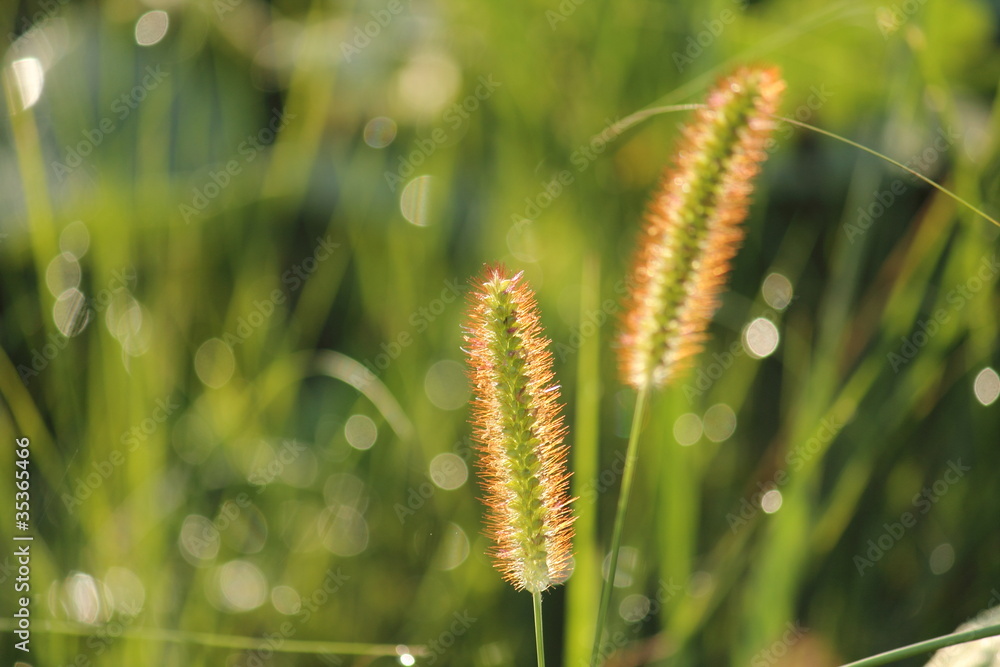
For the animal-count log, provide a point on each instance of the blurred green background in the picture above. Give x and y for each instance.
(235, 244)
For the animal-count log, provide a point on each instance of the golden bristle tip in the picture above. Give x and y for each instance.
(693, 228)
(518, 426)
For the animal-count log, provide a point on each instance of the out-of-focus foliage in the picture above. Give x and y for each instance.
(235, 240)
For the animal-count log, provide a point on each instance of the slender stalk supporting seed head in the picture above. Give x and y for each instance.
(520, 432)
(693, 228)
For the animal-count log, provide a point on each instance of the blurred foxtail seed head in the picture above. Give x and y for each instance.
(693, 228)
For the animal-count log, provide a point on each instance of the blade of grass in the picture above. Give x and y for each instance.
(897, 654)
(888, 159)
(213, 640)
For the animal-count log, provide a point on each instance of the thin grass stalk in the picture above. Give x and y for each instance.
(536, 598)
(631, 454)
(692, 231)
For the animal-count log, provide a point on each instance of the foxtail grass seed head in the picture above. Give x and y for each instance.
(693, 228)
(516, 421)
